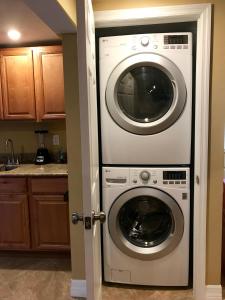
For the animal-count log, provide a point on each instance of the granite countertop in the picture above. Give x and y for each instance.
(37, 170)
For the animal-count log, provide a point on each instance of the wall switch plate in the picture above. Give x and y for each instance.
(55, 139)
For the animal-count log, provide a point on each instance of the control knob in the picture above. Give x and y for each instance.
(145, 175)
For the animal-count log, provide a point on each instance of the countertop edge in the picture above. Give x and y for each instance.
(31, 170)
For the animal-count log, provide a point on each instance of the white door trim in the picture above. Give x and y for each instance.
(78, 288)
(173, 14)
(213, 292)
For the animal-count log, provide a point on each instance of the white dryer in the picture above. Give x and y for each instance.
(146, 98)
(146, 235)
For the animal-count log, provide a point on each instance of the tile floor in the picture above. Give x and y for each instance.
(113, 293)
(25, 277)
(34, 278)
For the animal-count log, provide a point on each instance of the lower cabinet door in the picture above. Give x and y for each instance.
(50, 222)
(14, 222)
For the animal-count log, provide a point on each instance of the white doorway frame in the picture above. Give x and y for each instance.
(201, 13)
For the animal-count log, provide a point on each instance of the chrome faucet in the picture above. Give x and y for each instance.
(12, 160)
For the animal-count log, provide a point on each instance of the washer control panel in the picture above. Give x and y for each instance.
(170, 177)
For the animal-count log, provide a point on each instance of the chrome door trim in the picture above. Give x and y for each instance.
(179, 87)
(138, 252)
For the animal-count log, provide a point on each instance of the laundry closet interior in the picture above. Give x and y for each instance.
(146, 106)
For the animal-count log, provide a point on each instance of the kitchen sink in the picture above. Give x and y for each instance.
(4, 168)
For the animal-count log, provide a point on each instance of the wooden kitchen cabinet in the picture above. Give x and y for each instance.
(34, 214)
(49, 82)
(17, 81)
(14, 214)
(49, 214)
(32, 83)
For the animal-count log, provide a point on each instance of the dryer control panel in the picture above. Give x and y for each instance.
(179, 42)
(171, 177)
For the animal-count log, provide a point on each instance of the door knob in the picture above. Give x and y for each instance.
(98, 217)
(76, 218)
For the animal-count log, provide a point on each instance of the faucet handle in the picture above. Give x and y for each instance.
(17, 160)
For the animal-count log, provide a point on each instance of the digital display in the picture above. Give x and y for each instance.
(175, 39)
(174, 175)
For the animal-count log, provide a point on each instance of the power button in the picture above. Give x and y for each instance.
(144, 41)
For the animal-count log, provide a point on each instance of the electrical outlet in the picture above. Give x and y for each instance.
(55, 139)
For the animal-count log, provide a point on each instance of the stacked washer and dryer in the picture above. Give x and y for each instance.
(146, 116)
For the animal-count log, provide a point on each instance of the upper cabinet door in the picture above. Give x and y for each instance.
(17, 84)
(49, 82)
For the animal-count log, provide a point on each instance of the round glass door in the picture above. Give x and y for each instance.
(146, 223)
(145, 94)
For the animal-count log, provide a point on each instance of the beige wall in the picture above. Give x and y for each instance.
(24, 138)
(74, 151)
(217, 117)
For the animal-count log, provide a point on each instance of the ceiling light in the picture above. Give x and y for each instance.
(14, 34)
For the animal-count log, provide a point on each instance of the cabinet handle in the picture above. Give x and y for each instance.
(66, 196)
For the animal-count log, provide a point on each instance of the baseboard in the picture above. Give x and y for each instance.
(213, 292)
(78, 288)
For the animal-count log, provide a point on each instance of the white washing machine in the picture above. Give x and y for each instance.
(146, 235)
(146, 98)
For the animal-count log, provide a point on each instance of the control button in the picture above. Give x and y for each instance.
(134, 180)
(177, 182)
(165, 182)
(171, 182)
(144, 41)
(154, 181)
(155, 47)
(172, 47)
(145, 175)
(183, 182)
(166, 47)
(179, 47)
(185, 47)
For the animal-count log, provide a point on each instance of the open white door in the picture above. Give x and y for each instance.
(89, 147)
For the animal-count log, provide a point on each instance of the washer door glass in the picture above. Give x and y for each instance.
(145, 94)
(146, 221)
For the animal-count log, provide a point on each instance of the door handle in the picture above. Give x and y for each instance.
(76, 217)
(98, 217)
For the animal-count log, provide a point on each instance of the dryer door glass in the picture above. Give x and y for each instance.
(145, 94)
(146, 221)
